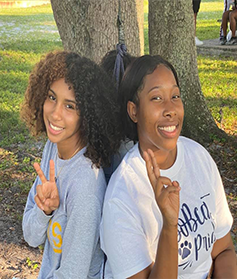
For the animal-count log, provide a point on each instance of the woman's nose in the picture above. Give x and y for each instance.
(169, 109)
(57, 112)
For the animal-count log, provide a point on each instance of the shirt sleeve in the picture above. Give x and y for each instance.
(123, 240)
(81, 236)
(224, 219)
(35, 221)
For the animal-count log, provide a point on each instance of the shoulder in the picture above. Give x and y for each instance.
(87, 171)
(131, 161)
(189, 143)
(49, 152)
(129, 180)
(192, 147)
(50, 149)
(49, 146)
(86, 179)
(197, 156)
(129, 165)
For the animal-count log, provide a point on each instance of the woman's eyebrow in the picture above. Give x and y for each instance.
(67, 100)
(71, 101)
(157, 87)
(52, 91)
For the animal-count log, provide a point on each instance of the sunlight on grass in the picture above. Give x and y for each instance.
(18, 60)
(219, 86)
(29, 29)
(146, 39)
(211, 7)
(207, 25)
(218, 73)
(145, 6)
(44, 9)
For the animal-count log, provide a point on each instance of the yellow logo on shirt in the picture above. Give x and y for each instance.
(55, 238)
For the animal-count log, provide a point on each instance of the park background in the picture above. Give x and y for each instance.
(28, 32)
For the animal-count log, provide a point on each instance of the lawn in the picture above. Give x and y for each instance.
(208, 25)
(217, 76)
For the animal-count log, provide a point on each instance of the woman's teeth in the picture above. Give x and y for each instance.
(168, 128)
(55, 128)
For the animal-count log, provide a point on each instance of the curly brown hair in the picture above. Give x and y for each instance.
(100, 128)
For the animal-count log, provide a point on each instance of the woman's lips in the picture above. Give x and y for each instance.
(168, 131)
(53, 129)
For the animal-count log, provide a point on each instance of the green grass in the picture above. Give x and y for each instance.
(217, 75)
(146, 43)
(30, 30)
(28, 33)
(219, 85)
(207, 25)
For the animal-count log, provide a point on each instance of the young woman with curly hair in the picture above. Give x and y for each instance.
(70, 99)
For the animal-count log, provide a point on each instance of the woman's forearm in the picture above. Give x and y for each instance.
(166, 264)
(225, 265)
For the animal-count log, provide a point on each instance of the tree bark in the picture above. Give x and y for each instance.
(171, 35)
(89, 27)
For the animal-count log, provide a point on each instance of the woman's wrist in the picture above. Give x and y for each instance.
(170, 227)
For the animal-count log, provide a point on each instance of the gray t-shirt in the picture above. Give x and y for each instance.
(71, 233)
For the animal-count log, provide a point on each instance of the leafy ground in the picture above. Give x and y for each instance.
(16, 172)
(28, 33)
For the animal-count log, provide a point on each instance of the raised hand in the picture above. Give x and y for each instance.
(47, 197)
(166, 192)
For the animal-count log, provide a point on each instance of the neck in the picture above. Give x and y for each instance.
(67, 152)
(165, 159)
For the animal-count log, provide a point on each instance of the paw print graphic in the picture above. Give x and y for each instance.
(185, 249)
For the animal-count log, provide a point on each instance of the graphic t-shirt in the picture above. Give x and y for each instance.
(132, 222)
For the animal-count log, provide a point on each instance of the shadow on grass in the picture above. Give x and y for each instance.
(26, 18)
(12, 128)
(13, 84)
(209, 31)
(230, 102)
(34, 46)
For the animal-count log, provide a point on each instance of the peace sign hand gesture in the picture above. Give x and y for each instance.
(47, 197)
(167, 198)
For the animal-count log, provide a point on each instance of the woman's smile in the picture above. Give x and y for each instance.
(55, 129)
(169, 131)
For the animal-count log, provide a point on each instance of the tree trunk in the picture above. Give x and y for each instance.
(89, 27)
(171, 35)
